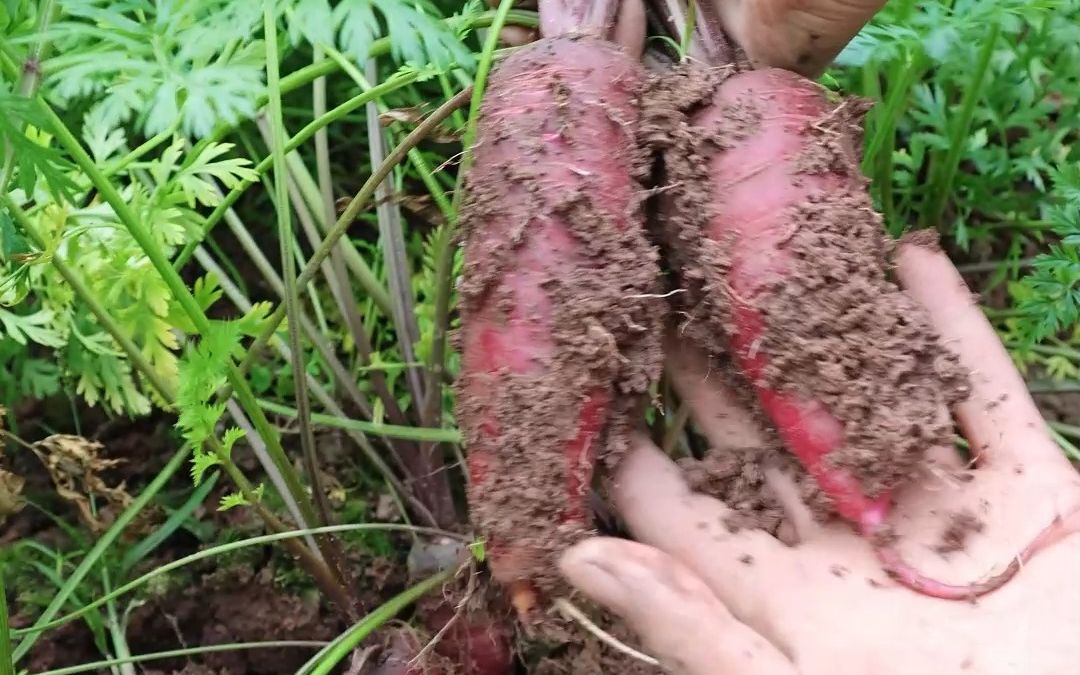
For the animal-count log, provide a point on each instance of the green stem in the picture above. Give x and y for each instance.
(7, 663)
(1050, 350)
(136, 154)
(102, 666)
(483, 68)
(114, 624)
(30, 79)
(325, 661)
(444, 260)
(895, 100)
(361, 200)
(1066, 429)
(942, 180)
(365, 276)
(423, 434)
(688, 31)
(288, 273)
(1054, 386)
(180, 292)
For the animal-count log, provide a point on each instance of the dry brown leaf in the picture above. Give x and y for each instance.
(444, 136)
(11, 486)
(11, 501)
(411, 115)
(422, 205)
(74, 463)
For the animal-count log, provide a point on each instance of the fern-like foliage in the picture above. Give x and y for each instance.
(1050, 295)
(198, 63)
(234, 499)
(156, 62)
(417, 36)
(31, 151)
(92, 242)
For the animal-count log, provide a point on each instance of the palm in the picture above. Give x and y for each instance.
(823, 605)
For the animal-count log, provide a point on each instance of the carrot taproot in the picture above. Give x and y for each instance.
(559, 313)
(769, 225)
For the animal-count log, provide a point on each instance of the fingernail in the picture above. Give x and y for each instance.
(590, 566)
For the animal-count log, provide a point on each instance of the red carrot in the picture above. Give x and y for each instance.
(772, 231)
(559, 335)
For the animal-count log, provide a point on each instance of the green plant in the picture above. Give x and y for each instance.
(973, 136)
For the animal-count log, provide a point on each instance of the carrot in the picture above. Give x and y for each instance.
(772, 232)
(559, 313)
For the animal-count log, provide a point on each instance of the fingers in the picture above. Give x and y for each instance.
(714, 407)
(630, 27)
(517, 36)
(999, 419)
(799, 517)
(800, 35)
(744, 569)
(677, 616)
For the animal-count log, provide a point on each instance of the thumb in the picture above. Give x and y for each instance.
(676, 615)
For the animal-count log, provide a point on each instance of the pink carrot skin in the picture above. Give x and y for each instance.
(553, 324)
(755, 177)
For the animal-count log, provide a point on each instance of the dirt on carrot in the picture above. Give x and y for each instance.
(837, 328)
(604, 304)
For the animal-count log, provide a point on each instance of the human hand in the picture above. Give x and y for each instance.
(706, 600)
(799, 35)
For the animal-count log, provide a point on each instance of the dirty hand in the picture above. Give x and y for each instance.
(707, 601)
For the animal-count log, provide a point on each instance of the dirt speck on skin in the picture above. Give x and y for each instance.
(959, 525)
(559, 305)
(561, 646)
(836, 328)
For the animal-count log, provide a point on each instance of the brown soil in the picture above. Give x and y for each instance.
(559, 308)
(959, 525)
(736, 477)
(837, 329)
(232, 605)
